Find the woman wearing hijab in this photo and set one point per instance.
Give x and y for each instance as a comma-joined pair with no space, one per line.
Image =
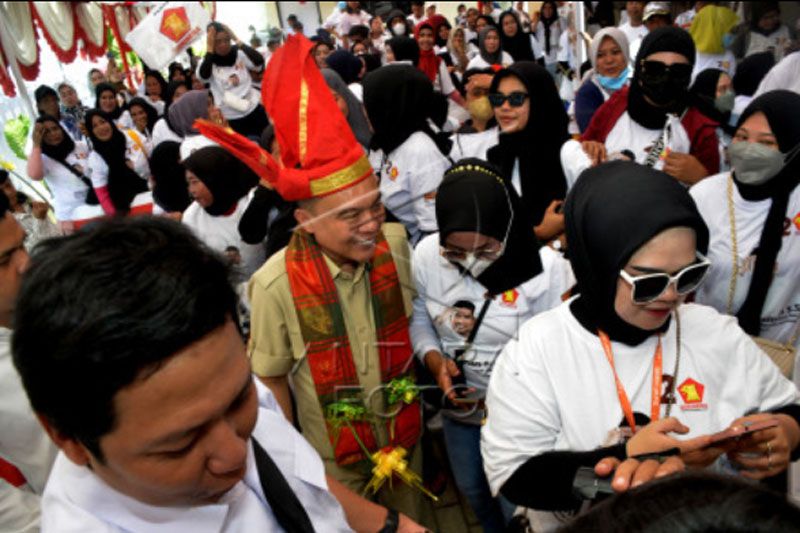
533,126
397,24
155,90
520,46
748,212
162,131
477,280
548,31
349,67
182,114
226,67
712,94
220,185
609,73
457,50
491,54
63,163
402,50
350,106
119,168
108,102
627,355
408,156
170,195
432,65
481,22
144,117
749,73
176,72
766,32
653,121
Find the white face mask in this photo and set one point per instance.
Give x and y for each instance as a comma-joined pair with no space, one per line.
399,29
476,265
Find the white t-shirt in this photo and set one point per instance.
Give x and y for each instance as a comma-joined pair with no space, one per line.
633,33
158,105
124,122
782,76
474,144
162,132
24,444
409,177
725,61
481,63
69,192
775,42
440,285
443,83
223,231
781,311
232,87
348,20
555,37
133,153
627,134
552,388
78,500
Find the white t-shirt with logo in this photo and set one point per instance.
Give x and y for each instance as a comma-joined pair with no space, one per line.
781,311
133,153
222,231
435,324
409,177
69,192
552,388
232,87
627,134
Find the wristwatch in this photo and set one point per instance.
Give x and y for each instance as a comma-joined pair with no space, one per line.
392,521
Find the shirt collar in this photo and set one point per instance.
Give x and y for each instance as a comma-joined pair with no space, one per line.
337,272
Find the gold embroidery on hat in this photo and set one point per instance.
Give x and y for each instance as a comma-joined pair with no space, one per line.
341,178
303,127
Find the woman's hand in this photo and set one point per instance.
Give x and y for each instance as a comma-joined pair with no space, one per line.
686,168
653,438
211,34
443,370
767,452
631,473
38,135
596,151
552,224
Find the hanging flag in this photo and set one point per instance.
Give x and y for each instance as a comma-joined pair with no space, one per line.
167,31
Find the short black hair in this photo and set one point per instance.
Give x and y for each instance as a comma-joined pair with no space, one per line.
464,304
291,18
4,205
105,306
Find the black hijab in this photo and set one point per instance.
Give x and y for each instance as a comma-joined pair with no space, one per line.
703,94
123,183
537,146
225,176
60,151
490,22
150,111
169,177
758,10
750,71
404,48
346,65
666,39
782,109
518,46
356,117
399,100
229,59
160,79
473,197
547,22
611,212
99,90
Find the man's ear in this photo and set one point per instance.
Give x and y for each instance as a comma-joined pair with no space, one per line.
305,219
74,450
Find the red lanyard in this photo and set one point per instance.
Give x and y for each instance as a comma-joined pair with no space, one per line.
655,399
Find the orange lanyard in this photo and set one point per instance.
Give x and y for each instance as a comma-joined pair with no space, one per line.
655,399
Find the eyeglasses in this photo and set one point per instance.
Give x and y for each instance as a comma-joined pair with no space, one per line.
649,287
658,72
461,255
515,99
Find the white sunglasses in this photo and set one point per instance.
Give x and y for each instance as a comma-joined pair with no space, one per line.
649,287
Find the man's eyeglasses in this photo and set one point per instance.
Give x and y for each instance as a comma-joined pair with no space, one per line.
515,99
649,287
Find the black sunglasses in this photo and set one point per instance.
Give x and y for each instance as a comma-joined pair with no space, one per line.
515,99
657,71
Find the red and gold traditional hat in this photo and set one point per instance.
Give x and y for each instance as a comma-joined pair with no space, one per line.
319,154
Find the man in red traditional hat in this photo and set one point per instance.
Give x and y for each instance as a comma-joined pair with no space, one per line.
330,311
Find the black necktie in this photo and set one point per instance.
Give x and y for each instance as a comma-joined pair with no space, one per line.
288,510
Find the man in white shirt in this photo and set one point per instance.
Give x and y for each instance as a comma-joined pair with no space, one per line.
26,453
634,28
141,378
417,13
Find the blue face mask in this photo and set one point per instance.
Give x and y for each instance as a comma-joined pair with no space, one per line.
612,84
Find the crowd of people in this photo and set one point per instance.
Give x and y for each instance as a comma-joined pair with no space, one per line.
407,226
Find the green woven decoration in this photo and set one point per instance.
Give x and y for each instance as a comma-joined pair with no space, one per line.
16,132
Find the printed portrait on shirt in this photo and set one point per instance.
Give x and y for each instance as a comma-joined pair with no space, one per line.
463,317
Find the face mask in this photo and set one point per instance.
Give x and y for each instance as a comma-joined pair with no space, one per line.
474,265
724,103
399,29
612,84
727,40
480,108
754,163
665,89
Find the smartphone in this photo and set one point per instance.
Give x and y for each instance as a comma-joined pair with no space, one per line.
727,435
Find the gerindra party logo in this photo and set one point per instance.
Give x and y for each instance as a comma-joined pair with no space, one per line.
175,23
